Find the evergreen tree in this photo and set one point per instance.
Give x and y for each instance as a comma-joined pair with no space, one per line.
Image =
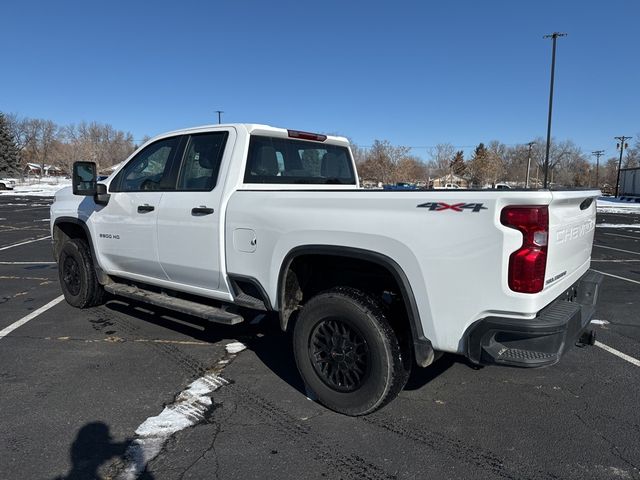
9,154
458,166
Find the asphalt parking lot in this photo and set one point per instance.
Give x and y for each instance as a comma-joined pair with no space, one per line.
75,385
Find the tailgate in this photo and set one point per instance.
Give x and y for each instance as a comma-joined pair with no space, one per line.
572,221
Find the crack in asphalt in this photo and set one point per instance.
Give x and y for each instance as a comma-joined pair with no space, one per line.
614,448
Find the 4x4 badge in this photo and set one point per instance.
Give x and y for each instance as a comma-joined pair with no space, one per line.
456,207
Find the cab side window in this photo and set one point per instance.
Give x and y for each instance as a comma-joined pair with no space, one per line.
150,169
201,162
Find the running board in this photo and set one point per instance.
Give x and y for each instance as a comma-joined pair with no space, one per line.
213,314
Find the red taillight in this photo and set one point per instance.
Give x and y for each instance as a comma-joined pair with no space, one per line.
307,135
527,265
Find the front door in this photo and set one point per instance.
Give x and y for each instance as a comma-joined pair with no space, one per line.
126,228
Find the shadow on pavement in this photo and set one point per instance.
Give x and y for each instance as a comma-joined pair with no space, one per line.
265,339
92,447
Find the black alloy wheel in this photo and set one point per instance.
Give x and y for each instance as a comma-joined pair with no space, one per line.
339,354
347,353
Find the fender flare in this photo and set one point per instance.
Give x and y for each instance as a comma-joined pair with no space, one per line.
423,350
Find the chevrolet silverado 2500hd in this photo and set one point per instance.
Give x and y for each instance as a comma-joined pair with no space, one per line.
220,221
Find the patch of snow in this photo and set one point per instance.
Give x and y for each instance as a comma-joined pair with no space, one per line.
623,211
599,322
37,189
188,409
615,205
618,225
235,347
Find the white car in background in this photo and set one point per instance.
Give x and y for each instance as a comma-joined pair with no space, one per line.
7,183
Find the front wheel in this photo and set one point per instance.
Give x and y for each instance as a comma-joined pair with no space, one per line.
347,353
78,276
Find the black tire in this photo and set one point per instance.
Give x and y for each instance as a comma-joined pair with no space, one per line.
78,276
347,353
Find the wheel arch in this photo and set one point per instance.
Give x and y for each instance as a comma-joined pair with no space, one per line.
67,228
288,293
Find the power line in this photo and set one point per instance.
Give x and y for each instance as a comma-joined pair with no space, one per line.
598,154
554,36
622,145
530,145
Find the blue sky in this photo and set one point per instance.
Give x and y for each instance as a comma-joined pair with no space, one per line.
415,73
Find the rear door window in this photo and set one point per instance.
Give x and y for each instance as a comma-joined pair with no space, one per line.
288,161
201,162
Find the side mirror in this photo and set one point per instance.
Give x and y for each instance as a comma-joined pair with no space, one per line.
84,179
101,197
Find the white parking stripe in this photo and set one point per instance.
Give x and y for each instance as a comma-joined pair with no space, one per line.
623,236
24,243
616,276
618,353
6,331
616,249
27,263
613,261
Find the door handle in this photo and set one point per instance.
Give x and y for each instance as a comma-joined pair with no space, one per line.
201,211
145,208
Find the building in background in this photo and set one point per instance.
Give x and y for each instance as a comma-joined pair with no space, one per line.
630,182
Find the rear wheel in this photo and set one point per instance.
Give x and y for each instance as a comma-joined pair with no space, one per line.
347,353
78,276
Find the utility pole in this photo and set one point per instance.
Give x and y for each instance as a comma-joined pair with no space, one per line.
622,145
219,112
530,145
554,36
598,154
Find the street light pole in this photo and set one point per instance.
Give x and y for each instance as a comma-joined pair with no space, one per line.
530,144
598,154
622,139
219,112
554,36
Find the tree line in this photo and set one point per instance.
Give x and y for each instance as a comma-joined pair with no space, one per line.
44,143
492,163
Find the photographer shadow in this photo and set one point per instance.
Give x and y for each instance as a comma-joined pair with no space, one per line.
92,448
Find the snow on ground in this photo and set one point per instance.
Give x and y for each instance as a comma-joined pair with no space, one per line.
618,225
46,188
615,205
189,408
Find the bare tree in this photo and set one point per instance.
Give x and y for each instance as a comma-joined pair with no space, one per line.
442,156
382,161
40,137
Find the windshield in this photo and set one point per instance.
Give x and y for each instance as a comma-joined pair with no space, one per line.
288,161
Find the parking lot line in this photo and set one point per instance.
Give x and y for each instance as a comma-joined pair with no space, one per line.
24,243
6,331
618,353
600,260
617,276
616,249
31,263
623,236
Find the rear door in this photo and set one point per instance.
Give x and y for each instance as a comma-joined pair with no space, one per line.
189,218
572,221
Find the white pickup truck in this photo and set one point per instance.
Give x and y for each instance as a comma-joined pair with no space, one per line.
222,221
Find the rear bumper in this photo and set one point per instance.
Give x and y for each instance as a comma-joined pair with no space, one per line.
542,340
